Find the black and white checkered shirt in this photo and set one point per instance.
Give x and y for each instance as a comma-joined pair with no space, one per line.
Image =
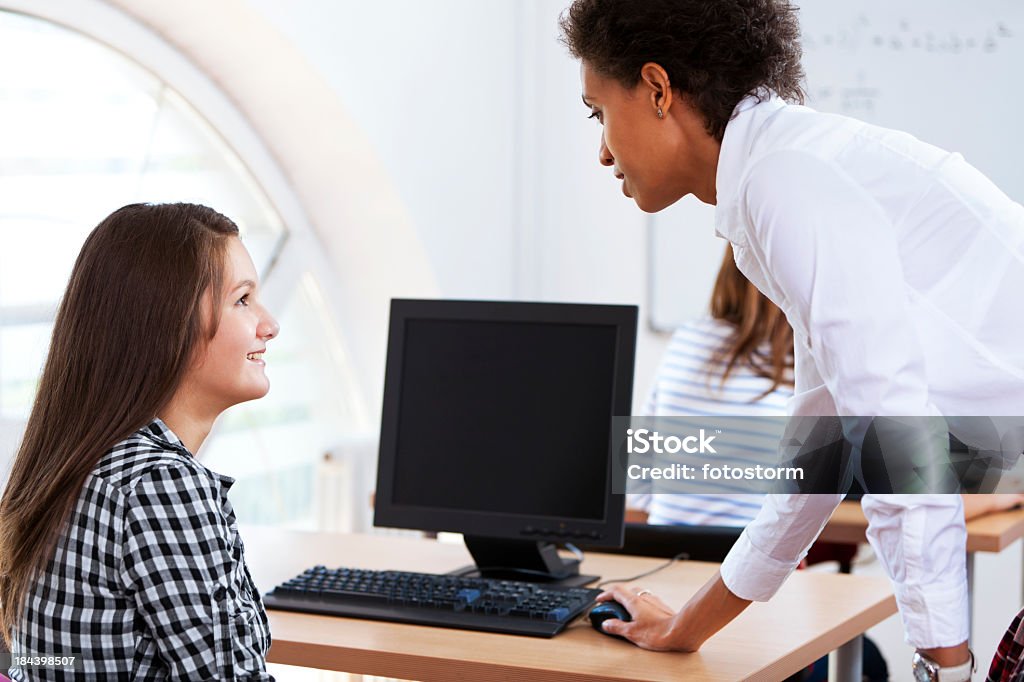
148,581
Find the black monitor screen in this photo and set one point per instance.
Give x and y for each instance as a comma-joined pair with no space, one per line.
497,424
505,417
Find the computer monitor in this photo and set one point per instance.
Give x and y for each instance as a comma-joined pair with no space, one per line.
497,424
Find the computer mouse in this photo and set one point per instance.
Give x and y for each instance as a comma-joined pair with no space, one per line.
605,610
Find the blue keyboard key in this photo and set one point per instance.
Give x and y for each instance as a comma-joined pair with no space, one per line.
468,595
557,615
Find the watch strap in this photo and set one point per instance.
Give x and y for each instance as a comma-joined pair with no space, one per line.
957,673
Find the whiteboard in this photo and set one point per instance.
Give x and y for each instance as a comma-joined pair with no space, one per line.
947,71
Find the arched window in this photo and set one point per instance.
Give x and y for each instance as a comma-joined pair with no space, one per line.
86,128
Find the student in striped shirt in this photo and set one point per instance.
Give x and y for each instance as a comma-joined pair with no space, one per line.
737,362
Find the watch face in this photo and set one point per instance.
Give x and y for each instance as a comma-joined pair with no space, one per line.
924,670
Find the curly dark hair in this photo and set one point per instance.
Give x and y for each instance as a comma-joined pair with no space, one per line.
715,51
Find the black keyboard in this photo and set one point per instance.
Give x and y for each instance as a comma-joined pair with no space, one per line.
507,606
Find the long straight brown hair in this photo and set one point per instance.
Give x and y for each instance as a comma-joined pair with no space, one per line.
758,324
126,330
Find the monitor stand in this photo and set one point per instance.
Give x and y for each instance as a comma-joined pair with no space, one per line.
501,559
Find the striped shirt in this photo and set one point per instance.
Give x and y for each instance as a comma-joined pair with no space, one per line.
688,383
148,581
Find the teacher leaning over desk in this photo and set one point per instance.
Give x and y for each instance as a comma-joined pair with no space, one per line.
899,266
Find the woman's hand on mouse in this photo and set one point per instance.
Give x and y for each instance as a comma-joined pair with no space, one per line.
656,627
652,618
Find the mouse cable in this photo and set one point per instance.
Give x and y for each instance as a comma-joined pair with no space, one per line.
677,557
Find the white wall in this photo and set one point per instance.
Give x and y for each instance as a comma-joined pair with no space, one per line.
436,96
474,109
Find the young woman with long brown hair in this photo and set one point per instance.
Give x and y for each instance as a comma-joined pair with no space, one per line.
116,544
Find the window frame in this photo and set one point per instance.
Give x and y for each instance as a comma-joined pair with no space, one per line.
297,252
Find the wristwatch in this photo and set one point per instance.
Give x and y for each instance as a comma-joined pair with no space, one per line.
927,670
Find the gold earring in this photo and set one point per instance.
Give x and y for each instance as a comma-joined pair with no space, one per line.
661,114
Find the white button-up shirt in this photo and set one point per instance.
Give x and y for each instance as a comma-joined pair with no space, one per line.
900,268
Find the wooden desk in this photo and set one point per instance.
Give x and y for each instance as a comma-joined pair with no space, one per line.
990,533
811,615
